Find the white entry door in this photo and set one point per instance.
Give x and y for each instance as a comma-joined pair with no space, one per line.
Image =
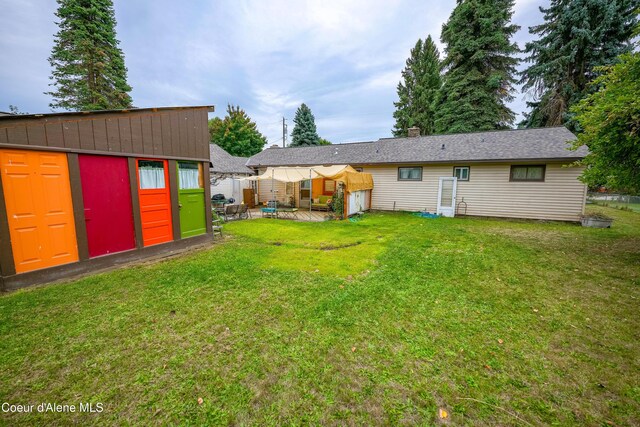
447,196
305,194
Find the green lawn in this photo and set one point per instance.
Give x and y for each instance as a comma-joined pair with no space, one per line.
383,321
619,205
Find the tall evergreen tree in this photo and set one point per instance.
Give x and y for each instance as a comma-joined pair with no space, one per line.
480,67
304,132
236,133
576,37
417,90
88,66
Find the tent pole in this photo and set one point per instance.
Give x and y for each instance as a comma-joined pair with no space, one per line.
310,193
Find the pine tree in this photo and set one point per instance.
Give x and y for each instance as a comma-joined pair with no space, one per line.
417,90
480,67
88,66
236,133
304,132
576,37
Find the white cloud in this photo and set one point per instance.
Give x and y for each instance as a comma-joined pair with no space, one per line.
341,58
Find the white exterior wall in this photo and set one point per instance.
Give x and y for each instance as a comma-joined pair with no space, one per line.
231,188
358,201
487,193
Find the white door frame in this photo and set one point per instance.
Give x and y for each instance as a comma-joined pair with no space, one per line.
301,199
447,210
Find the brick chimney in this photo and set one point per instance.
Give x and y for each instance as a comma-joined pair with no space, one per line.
413,132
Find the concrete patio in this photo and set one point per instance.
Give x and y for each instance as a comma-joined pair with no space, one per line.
299,215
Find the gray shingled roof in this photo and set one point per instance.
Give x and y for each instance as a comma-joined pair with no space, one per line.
516,144
223,162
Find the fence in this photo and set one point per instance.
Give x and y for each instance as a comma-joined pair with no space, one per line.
619,201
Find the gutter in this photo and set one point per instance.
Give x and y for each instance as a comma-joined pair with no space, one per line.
438,162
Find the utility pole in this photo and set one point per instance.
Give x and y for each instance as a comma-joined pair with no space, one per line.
284,133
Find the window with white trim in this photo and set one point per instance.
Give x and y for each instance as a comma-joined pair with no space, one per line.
461,172
151,174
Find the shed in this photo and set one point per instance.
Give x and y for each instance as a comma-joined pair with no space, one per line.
86,190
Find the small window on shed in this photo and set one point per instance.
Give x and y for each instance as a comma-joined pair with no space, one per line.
189,176
151,174
461,172
528,173
410,174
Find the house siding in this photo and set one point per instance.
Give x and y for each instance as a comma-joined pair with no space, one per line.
487,193
264,191
265,187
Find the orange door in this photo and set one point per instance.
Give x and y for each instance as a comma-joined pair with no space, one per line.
39,208
317,187
155,201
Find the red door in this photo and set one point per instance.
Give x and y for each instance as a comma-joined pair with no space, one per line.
155,201
108,211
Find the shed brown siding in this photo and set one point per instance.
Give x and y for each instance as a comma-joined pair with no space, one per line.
165,133
487,193
170,133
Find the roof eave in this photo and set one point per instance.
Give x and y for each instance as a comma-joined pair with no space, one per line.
210,108
427,162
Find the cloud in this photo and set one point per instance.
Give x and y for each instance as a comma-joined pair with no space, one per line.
343,59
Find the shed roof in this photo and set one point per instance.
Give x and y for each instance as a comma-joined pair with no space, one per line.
210,108
223,162
506,145
168,132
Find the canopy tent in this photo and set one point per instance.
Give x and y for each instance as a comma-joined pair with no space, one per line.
351,178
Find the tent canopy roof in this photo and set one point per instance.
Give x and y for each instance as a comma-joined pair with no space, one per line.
352,179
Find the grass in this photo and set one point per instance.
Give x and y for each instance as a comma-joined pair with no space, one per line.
383,321
619,205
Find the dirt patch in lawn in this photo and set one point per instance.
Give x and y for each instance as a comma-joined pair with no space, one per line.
335,247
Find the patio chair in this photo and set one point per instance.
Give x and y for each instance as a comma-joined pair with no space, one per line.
243,212
230,212
216,227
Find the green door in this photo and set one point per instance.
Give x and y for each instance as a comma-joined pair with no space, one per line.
191,199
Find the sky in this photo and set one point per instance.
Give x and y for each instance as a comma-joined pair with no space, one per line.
343,58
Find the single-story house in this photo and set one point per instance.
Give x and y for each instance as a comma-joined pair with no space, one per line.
226,172
519,173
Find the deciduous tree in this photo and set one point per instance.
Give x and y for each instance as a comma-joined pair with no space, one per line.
236,133
609,120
